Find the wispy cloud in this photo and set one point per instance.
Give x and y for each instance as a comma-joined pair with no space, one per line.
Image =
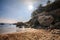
18,9
2,20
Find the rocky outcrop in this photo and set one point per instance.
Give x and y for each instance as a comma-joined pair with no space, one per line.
20,24
46,16
53,6
45,20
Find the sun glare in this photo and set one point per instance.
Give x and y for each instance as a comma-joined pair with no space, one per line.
30,7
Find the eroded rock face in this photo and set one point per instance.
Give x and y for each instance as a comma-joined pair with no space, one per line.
45,20
48,17
57,25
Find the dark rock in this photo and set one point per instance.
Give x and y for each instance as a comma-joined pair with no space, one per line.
46,16
57,25
45,20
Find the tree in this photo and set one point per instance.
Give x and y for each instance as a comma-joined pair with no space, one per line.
48,2
57,0
40,6
38,10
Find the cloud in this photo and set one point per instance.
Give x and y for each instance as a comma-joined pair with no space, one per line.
29,1
2,20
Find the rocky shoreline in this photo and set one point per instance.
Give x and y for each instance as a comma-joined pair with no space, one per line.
44,25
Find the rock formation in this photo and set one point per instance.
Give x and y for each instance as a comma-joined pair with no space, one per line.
45,16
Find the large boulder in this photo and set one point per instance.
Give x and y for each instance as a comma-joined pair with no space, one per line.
45,20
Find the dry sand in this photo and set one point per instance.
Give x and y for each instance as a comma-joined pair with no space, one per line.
32,34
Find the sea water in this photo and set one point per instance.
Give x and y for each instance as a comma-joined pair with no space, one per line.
7,28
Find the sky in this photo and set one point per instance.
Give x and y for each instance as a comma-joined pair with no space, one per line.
18,10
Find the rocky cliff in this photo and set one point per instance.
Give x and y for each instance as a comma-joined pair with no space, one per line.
46,16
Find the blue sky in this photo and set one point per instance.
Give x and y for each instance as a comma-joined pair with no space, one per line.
19,10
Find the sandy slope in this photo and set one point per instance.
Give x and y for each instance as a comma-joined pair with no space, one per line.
31,35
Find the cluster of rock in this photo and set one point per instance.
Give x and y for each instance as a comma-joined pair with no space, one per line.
46,17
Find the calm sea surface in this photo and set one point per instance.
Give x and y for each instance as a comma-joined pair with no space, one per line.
7,28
